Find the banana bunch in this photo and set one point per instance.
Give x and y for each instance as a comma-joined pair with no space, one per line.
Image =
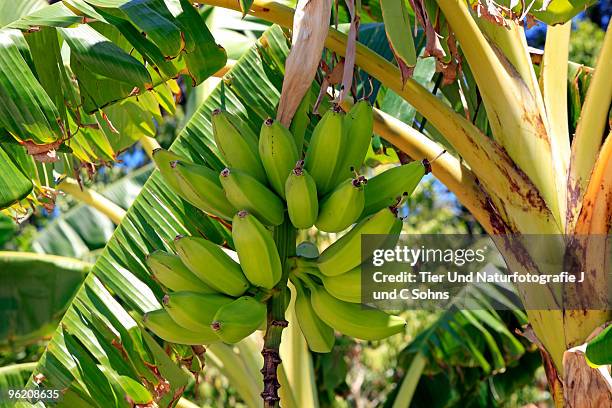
279,176
325,304
209,297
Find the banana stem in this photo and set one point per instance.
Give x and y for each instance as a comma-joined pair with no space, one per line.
285,237
92,198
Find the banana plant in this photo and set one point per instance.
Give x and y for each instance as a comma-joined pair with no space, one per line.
514,166
559,184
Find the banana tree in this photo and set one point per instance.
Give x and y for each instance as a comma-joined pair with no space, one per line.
515,166
521,171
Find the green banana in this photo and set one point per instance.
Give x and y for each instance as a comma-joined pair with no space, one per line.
201,187
238,319
238,144
212,265
194,311
343,206
353,319
278,153
324,155
346,287
387,188
246,193
319,336
256,250
160,323
163,160
301,195
300,121
345,254
358,125
170,271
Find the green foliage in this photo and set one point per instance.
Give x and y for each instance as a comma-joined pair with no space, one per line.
152,222
585,43
35,291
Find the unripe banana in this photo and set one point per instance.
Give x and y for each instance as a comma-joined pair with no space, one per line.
212,265
300,121
163,160
346,287
238,144
386,189
160,323
201,187
342,207
194,311
358,125
238,319
256,250
345,254
324,155
319,336
278,153
353,319
301,195
170,271
246,193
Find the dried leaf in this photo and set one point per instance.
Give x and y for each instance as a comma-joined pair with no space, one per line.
45,153
399,35
310,27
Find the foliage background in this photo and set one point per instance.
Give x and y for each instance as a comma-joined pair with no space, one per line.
353,375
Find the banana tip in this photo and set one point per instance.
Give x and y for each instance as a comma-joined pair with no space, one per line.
216,111
166,300
179,237
243,213
269,122
225,172
216,325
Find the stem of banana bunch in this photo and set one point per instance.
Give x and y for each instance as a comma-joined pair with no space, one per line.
284,236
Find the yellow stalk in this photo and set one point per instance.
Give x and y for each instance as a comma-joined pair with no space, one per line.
297,360
487,160
515,113
92,198
596,212
590,131
554,90
229,363
512,42
454,175
149,144
593,224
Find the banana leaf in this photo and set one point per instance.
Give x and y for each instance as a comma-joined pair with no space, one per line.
102,326
35,290
79,82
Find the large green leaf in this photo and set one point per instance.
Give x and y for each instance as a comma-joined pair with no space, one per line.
11,10
80,77
35,290
108,308
14,185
